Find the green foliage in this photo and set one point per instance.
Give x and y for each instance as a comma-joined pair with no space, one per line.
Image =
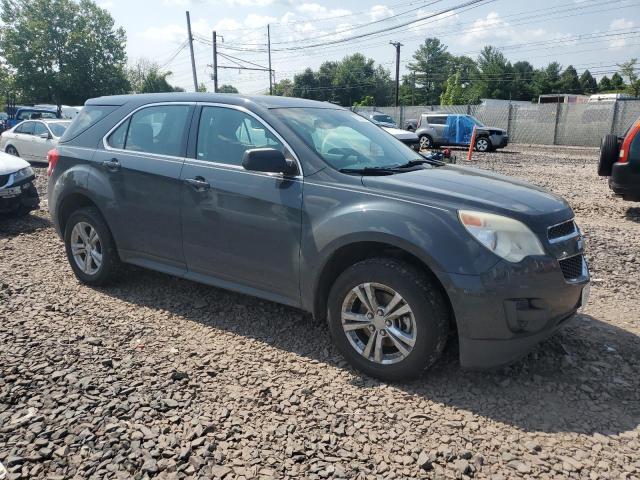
617,82
367,101
430,68
453,94
62,51
283,88
588,84
227,89
345,82
605,84
629,70
495,71
569,82
146,76
202,87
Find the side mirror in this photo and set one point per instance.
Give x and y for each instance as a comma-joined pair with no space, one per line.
268,160
45,135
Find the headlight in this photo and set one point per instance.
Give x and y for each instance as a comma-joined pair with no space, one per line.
504,236
22,174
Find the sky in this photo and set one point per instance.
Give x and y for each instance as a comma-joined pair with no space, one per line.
589,34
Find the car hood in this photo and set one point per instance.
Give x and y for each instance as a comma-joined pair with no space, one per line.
10,164
457,187
401,134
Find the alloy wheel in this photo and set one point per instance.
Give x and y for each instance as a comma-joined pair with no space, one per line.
86,248
378,323
425,142
482,145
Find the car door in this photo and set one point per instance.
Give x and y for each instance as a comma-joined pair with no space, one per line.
141,161
40,144
438,123
23,136
238,226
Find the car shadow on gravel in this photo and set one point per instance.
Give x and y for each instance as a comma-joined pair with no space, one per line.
584,379
633,214
11,225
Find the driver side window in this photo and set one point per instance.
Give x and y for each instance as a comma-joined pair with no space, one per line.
224,134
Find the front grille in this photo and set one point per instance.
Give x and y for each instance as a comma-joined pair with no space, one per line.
572,267
562,230
3,180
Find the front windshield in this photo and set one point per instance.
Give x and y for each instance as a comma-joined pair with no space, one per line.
476,121
57,129
344,139
383,118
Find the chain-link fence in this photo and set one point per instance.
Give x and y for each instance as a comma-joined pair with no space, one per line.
541,124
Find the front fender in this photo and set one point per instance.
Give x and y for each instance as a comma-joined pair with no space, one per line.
433,235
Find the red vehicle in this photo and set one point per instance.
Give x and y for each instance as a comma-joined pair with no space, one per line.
620,161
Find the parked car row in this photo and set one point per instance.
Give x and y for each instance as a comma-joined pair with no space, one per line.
435,129
313,206
32,139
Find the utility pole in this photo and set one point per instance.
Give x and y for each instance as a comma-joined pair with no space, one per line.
193,58
215,62
397,45
269,49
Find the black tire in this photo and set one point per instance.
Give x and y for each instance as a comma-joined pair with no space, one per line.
111,264
11,150
483,144
426,142
423,296
609,152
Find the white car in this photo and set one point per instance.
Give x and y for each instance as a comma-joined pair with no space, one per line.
18,192
32,139
410,139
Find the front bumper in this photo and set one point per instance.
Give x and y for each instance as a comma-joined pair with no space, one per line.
22,195
509,309
625,181
499,141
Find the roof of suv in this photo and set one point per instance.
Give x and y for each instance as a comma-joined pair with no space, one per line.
265,101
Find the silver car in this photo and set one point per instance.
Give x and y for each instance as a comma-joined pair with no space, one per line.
32,139
436,129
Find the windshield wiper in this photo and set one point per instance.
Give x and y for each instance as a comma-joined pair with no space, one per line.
370,170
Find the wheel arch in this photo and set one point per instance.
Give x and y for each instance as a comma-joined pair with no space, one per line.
71,203
351,253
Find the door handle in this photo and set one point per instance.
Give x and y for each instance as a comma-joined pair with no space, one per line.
198,183
112,165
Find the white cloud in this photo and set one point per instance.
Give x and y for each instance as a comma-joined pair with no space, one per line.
316,11
619,24
431,23
379,12
494,27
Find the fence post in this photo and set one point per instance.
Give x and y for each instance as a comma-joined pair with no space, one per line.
509,120
468,109
614,117
555,126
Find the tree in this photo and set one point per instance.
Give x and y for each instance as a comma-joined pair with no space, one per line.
588,83
628,69
430,68
605,84
63,51
283,88
305,84
617,82
367,101
522,81
453,94
227,89
495,73
202,87
569,82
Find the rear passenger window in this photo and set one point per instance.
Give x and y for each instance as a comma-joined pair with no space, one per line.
26,128
225,134
119,136
160,130
437,120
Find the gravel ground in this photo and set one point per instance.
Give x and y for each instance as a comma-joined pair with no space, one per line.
161,377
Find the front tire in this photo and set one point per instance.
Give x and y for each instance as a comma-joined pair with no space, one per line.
387,318
90,247
11,150
483,144
426,142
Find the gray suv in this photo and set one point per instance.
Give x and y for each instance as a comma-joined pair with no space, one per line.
310,205
437,129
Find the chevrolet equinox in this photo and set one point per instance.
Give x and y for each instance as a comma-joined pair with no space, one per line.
310,205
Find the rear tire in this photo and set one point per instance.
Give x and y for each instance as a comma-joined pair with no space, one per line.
422,330
609,152
90,247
